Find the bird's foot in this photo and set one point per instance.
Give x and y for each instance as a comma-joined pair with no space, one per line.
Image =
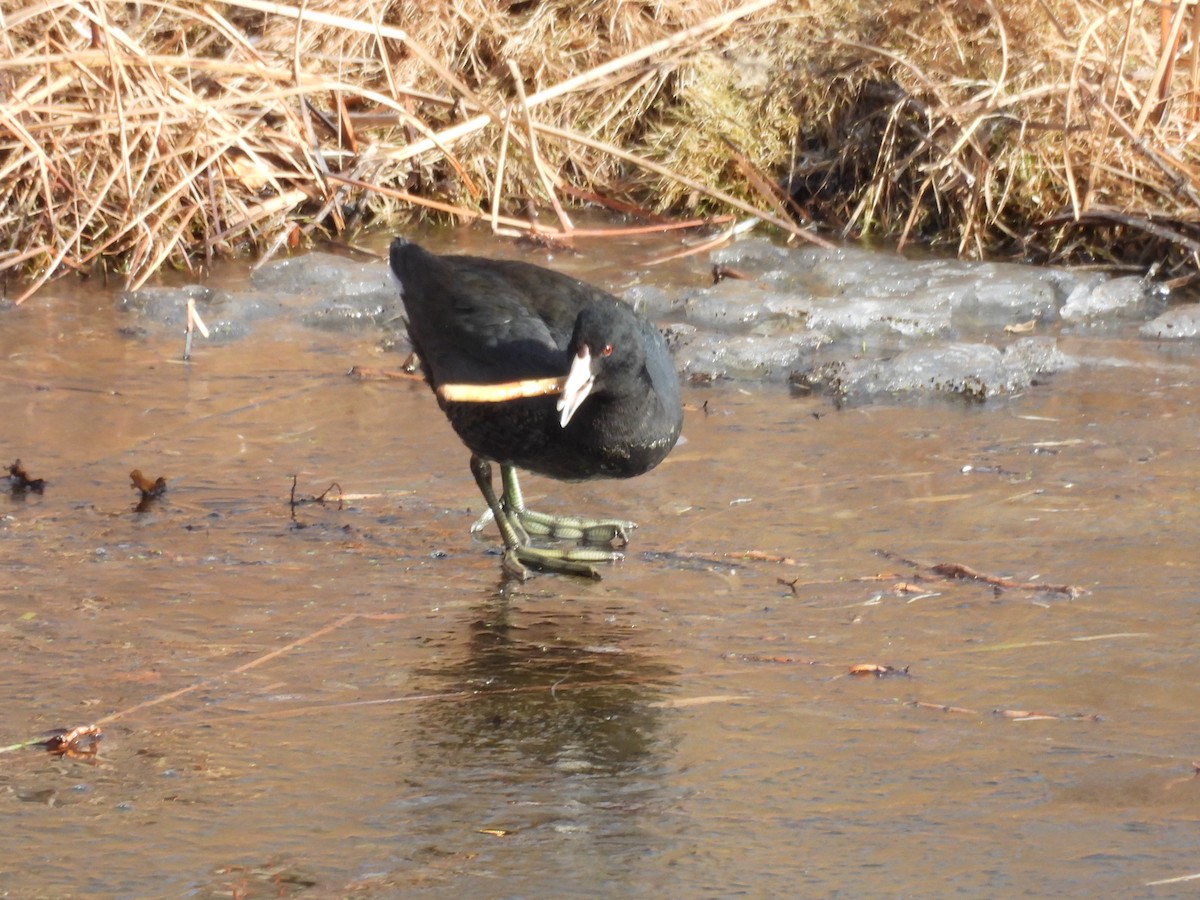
566,528
575,528
483,521
564,561
516,523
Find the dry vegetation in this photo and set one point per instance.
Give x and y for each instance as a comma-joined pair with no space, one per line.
137,135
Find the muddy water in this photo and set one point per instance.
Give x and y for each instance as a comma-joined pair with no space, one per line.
352,701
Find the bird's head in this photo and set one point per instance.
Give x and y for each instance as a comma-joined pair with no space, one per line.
606,355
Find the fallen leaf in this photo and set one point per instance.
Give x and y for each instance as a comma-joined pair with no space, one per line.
878,671
1021,327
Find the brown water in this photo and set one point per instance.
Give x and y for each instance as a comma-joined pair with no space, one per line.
353,703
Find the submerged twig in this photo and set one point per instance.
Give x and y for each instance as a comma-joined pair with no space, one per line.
294,501
958,571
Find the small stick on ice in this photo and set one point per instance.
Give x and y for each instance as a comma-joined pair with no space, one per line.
193,321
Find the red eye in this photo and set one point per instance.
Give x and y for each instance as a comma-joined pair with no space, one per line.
607,350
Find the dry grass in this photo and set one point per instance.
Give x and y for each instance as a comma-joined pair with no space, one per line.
1052,129
140,135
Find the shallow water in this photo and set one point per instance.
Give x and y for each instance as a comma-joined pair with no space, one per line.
352,701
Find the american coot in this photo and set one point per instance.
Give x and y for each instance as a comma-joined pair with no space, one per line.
536,370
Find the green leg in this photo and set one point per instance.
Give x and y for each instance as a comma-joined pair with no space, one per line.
518,553
601,531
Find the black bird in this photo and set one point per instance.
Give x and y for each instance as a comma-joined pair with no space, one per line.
497,339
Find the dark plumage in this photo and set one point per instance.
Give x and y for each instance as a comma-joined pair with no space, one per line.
475,321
